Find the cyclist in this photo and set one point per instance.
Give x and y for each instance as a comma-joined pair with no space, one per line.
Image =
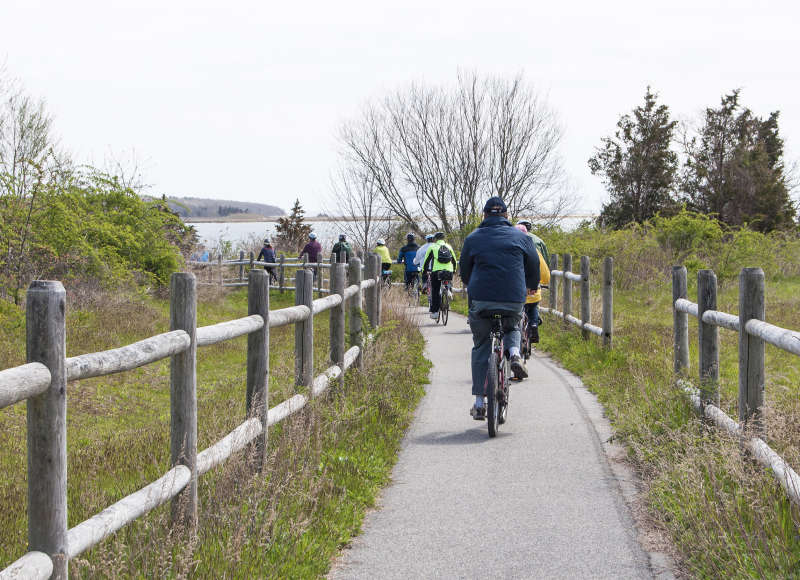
342,250
313,248
420,258
406,256
386,258
534,297
537,241
498,264
442,258
268,254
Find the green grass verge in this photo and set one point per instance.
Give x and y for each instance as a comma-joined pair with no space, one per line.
325,467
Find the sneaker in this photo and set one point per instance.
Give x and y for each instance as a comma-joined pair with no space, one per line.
534,334
518,368
435,315
478,413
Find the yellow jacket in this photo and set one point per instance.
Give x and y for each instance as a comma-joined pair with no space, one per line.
544,276
383,252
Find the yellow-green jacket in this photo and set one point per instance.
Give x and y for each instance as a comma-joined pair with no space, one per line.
432,255
383,252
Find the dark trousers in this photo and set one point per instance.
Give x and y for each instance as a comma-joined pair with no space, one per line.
411,278
436,298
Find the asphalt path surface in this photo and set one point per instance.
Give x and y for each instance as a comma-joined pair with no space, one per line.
538,501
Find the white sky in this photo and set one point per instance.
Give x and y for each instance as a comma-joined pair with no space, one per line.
242,100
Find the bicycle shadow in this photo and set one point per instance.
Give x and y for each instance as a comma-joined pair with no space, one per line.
476,435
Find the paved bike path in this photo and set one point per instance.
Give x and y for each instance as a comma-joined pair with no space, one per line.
537,501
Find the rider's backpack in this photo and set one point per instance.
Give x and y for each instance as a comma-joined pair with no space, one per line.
444,255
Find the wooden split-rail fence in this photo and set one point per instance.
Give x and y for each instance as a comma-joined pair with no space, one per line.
754,334
42,382
233,272
566,277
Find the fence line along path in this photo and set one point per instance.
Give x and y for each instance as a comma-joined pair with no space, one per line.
43,383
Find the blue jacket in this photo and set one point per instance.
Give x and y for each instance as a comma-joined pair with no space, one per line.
267,253
407,254
498,262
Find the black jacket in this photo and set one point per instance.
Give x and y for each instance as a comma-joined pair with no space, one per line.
498,262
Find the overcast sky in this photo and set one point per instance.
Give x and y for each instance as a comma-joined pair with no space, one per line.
242,100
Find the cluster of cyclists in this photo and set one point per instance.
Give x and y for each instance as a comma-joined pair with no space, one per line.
502,266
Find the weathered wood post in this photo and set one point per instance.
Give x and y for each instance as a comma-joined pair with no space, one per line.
338,275
377,296
318,273
554,283
252,259
372,294
281,273
47,424
304,331
354,278
221,273
708,337
183,395
258,359
608,301
567,306
751,348
680,321
241,265
586,302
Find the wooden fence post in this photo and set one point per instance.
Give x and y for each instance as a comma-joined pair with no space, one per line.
708,337
258,359
318,274
377,298
567,306
338,275
586,302
241,266
304,331
608,301
281,273
751,348
252,259
183,396
372,295
47,424
221,273
680,322
554,283
354,277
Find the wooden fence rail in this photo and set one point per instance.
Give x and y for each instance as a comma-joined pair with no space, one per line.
565,278
43,383
754,334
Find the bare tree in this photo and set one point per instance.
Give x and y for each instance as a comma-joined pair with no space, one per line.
435,153
364,217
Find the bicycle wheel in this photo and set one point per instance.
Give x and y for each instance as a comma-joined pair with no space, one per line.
492,402
525,341
445,307
505,388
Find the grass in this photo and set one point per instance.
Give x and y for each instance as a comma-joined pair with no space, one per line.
325,465
725,515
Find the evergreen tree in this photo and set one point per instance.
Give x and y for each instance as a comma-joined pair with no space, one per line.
735,170
292,232
637,165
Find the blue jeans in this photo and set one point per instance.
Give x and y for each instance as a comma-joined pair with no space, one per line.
481,338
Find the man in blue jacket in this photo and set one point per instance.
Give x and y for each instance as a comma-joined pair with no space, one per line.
406,256
498,264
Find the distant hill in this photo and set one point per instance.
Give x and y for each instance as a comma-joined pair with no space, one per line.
197,207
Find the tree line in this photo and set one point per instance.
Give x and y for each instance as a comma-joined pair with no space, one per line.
729,165
74,222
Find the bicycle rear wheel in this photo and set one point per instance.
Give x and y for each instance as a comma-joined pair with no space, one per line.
445,306
505,388
525,342
492,402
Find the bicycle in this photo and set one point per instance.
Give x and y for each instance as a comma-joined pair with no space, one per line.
414,289
445,292
386,278
525,339
497,378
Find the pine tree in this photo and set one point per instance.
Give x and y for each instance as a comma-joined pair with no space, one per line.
735,170
292,232
637,165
